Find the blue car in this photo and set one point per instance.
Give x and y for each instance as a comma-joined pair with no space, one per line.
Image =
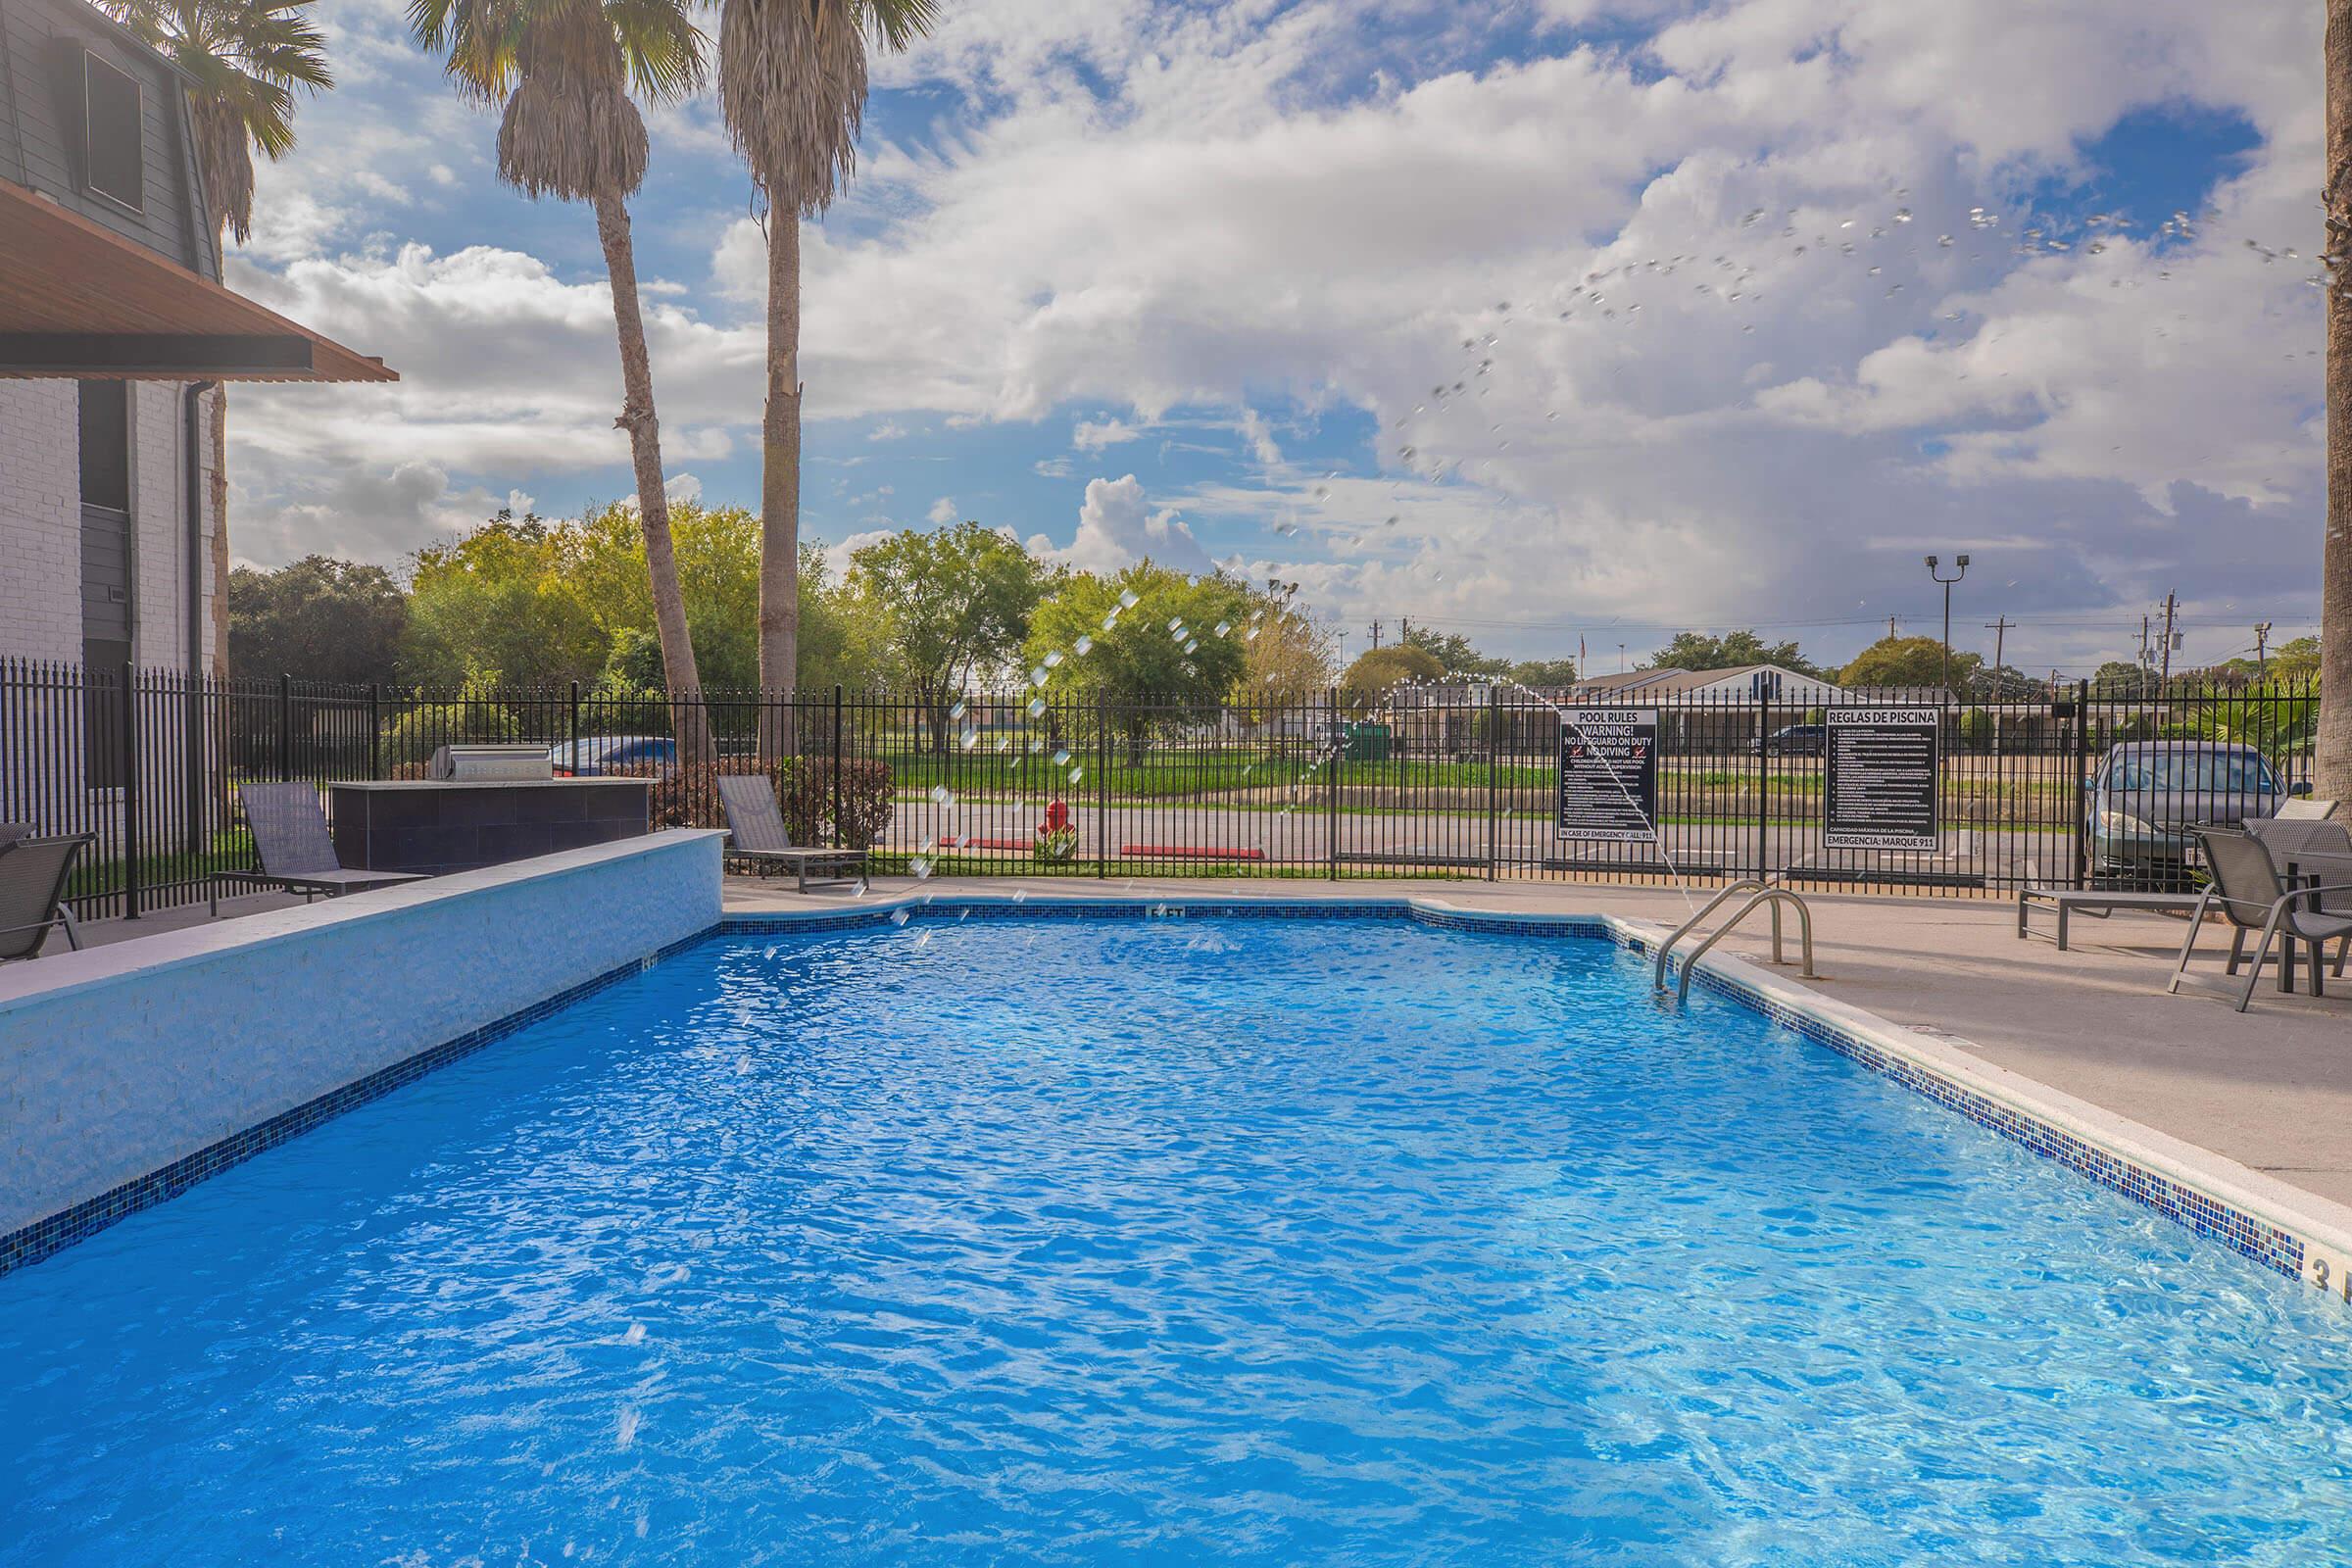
631,755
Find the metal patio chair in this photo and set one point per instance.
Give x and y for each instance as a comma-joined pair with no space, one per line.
289,834
2252,896
2303,809
33,872
756,832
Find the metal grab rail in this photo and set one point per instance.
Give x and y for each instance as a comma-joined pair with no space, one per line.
1759,893
1747,884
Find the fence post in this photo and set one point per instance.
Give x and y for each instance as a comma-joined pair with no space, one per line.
1101,785
1494,777
131,794
191,728
1331,791
285,727
841,838
1763,786
375,729
2078,799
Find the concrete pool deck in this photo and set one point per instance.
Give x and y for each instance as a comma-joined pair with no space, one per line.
2269,1089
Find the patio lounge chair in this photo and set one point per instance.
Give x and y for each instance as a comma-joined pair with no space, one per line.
289,834
756,832
32,888
2303,809
2252,896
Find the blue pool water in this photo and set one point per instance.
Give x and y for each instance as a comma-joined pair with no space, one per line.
1248,1241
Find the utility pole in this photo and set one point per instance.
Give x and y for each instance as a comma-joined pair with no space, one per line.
2000,631
2171,603
2262,643
1621,658
2147,650
1891,628
1376,631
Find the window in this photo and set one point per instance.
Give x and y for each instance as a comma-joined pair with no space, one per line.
106,445
112,134
106,637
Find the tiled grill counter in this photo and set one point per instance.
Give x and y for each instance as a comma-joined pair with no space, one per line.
436,826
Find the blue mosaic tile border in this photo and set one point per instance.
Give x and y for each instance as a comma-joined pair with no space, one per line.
45,1237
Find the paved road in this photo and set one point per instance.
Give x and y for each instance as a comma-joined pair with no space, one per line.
1302,836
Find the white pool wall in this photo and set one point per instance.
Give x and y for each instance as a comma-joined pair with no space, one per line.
117,1060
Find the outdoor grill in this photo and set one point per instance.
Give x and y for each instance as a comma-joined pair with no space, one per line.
491,764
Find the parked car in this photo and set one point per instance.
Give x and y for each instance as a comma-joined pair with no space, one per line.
592,754
2144,796
1792,740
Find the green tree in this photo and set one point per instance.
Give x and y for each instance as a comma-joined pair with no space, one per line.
1377,672
244,61
317,619
501,600
2296,662
2120,678
564,69
792,91
1148,636
952,606
1453,653
1544,673
1286,652
1693,650
1909,661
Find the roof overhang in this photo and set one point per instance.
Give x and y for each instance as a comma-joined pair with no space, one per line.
78,300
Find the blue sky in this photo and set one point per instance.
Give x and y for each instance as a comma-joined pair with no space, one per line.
1750,305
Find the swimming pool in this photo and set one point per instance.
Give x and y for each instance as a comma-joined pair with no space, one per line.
1065,1241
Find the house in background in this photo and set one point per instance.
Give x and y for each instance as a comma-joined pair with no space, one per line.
115,334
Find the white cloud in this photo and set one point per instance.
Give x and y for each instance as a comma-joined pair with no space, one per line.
1117,527
943,510
1089,435
681,488
1144,208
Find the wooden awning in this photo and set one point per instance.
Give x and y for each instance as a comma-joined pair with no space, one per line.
78,300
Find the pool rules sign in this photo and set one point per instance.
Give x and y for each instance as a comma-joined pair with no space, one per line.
1879,778
1609,775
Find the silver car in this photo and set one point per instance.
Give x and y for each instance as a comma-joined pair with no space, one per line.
2146,794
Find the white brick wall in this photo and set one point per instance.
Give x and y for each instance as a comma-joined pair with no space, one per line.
40,523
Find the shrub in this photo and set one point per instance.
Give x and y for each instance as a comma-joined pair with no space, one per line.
868,802
687,796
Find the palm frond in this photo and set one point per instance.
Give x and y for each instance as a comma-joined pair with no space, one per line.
792,91
246,60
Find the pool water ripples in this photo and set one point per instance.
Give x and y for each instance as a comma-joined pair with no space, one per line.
1064,1241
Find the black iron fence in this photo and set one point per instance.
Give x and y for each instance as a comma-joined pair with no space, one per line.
1465,783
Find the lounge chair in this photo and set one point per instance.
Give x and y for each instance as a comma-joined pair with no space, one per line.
756,833
289,834
2251,895
32,888
2303,809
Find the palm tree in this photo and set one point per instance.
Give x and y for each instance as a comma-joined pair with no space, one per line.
569,129
792,90
2332,749
245,58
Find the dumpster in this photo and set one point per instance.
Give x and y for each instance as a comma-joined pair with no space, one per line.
1367,743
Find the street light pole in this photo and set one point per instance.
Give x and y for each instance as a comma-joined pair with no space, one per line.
1933,563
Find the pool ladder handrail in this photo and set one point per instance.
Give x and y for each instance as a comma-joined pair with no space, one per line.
1769,894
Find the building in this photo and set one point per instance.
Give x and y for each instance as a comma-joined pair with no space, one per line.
114,331
115,335
1743,683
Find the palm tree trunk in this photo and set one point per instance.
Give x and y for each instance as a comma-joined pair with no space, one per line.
219,490
780,474
2331,764
637,417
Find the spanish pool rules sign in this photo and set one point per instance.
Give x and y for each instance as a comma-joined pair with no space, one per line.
1879,779
1609,775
